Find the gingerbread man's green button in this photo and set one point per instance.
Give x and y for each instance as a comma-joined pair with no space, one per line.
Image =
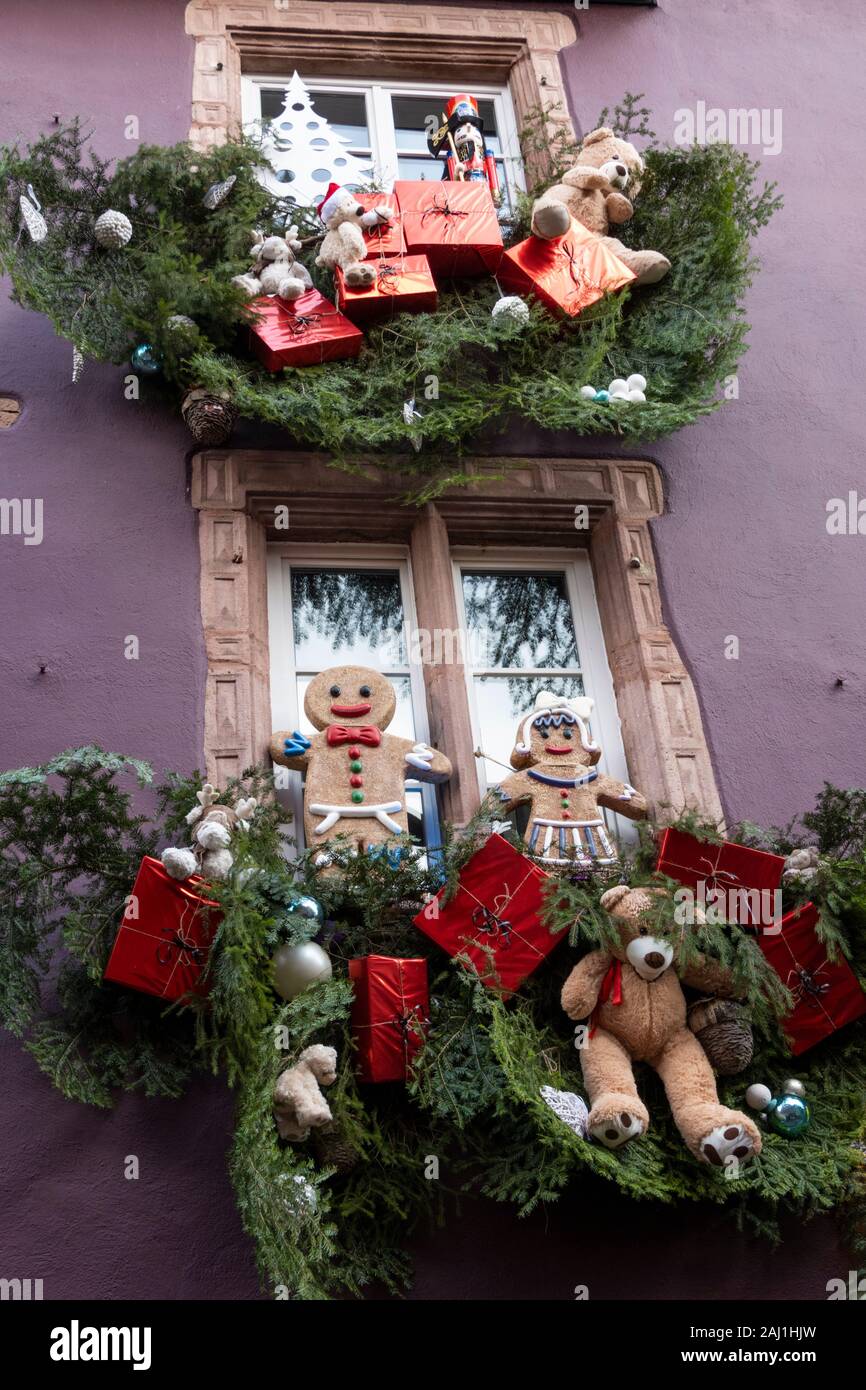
357,796
356,765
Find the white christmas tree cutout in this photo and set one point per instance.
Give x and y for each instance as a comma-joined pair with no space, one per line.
304,154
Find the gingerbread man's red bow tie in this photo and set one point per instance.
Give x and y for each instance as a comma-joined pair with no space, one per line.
363,733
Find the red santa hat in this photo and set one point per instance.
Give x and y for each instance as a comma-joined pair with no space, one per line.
331,190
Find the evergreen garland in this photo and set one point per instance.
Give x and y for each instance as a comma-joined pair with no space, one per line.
70,842
470,376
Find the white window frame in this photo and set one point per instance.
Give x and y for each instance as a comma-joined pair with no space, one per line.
380,120
285,710
589,637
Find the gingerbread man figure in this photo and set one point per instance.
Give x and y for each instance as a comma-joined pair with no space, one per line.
559,779
355,773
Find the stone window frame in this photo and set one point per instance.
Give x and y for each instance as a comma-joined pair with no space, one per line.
515,503
516,47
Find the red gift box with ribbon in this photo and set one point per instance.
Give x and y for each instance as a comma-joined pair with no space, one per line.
386,238
453,224
305,333
827,994
390,1010
165,936
750,878
567,273
494,917
403,285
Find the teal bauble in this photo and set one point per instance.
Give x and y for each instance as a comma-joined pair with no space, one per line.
788,1115
602,395
145,360
306,906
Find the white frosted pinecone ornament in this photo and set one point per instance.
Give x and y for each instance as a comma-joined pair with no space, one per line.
112,229
510,309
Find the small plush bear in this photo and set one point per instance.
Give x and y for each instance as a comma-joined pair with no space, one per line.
355,773
299,1105
632,995
276,269
564,790
344,243
594,192
214,826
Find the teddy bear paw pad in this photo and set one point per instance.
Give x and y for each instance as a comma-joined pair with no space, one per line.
616,1130
727,1142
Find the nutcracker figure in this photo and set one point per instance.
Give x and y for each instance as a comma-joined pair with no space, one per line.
460,142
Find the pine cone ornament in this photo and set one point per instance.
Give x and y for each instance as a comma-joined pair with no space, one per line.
722,1028
210,417
332,1148
33,219
510,309
218,192
112,230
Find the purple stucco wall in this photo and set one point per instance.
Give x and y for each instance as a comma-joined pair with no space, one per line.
742,550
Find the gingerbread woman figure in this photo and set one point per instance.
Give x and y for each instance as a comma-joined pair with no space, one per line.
355,773
556,757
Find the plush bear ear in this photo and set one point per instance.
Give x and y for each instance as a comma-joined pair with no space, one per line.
613,896
604,132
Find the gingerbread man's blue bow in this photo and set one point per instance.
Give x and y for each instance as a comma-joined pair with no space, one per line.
295,745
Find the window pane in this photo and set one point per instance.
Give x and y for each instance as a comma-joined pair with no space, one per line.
345,112
519,620
411,117
408,168
501,702
352,616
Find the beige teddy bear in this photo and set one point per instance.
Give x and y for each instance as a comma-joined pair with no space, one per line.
637,1010
594,192
276,270
214,826
299,1105
344,243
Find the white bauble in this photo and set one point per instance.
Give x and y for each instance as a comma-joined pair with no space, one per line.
618,385
112,229
621,397
510,309
588,393
793,1087
758,1096
295,968
636,382
636,395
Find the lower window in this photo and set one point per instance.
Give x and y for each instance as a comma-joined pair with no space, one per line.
527,625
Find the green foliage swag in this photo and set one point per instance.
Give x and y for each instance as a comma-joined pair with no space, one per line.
70,843
470,376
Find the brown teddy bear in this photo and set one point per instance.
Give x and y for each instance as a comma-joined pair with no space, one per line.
355,773
557,777
638,1014
594,192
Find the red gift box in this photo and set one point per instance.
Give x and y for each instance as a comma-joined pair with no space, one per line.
497,907
453,224
567,273
827,994
390,1009
163,942
305,333
403,285
385,239
750,878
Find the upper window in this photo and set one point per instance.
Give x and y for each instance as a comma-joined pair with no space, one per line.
384,126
